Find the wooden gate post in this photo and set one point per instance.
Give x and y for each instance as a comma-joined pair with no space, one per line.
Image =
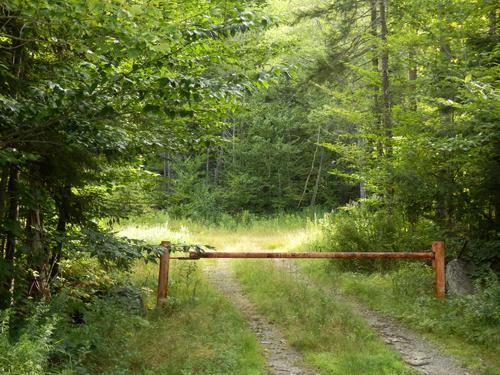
163,273
439,268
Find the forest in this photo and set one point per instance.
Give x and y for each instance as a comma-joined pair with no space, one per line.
247,125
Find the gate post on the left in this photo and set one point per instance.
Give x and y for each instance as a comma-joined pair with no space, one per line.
163,273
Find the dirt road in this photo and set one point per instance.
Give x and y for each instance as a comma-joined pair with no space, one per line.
282,359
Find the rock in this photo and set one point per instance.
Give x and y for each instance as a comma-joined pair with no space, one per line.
418,362
131,299
458,281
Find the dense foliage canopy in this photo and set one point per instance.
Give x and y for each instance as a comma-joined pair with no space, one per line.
88,89
385,113
391,104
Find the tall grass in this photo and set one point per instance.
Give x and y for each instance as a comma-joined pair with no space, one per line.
196,332
243,221
242,233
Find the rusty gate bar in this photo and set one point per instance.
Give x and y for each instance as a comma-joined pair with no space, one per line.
313,255
437,255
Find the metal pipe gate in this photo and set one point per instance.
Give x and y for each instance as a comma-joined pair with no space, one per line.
436,255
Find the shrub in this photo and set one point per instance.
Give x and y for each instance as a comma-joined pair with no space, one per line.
98,339
413,280
29,353
478,315
372,227
475,318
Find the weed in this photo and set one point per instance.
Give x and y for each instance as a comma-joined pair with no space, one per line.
29,353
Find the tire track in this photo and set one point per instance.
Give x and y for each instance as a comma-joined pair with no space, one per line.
415,351
281,359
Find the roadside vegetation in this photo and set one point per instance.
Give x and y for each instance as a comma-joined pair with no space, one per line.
197,331
467,327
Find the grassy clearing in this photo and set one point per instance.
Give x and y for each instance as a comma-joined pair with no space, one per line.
244,233
333,340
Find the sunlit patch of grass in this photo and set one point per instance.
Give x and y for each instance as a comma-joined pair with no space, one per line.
156,233
254,233
257,237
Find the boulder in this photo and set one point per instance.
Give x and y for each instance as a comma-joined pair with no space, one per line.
458,280
131,299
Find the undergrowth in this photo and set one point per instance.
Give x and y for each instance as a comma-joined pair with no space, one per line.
102,321
243,221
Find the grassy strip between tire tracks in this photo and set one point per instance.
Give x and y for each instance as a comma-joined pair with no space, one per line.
333,340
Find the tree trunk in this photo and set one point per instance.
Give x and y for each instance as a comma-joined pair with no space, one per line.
6,277
311,169
497,215
412,76
318,177
446,91
207,171
13,213
362,167
57,251
164,157
3,188
492,20
362,190
63,202
386,95
218,165
234,144
39,256
375,67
